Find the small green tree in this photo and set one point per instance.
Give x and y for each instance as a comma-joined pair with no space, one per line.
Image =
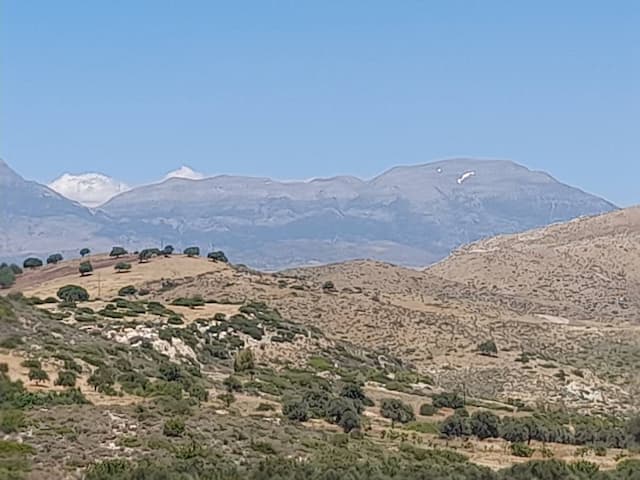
32,262
66,378
11,421
55,258
173,427
145,255
122,267
397,411
7,277
455,426
295,410
349,421
85,268
244,361
488,348
633,428
427,410
15,269
232,384
448,400
117,252
218,256
73,294
192,251
227,398
168,250
127,291
84,252
38,375
485,424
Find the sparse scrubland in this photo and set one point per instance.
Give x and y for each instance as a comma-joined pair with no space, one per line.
154,365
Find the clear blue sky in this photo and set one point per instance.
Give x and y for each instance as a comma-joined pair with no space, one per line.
294,89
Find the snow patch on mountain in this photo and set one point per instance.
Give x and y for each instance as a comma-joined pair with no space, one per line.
185,172
465,176
88,189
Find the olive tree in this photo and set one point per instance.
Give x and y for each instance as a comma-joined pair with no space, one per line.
85,268
55,258
396,411
32,262
192,251
84,252
117,252
72,294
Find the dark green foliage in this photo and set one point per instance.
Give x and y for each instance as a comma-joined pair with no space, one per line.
633,428
38,375
318,401
73,294
127,291
145,255
66,378
85,268
174,427
122,267
354,392
488,348
455,426
521,450
244,361
296,410
117,252
102,380
84,252
192,251
15,269
7,277
485,424
427,410
328,286
217,256
168,250
448,400
11,421
227,398
396,410
191,302
55,258
32,262
232,384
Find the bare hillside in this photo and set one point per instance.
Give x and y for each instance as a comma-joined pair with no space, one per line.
587,269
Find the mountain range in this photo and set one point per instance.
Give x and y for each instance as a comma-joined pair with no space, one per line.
411,215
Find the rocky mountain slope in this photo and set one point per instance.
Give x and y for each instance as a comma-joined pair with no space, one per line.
35,219
408,215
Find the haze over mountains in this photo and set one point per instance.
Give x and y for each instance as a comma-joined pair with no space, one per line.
411,215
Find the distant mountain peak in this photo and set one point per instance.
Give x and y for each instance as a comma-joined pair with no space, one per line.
184,172
88,189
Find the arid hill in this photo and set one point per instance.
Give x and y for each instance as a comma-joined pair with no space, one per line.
586,269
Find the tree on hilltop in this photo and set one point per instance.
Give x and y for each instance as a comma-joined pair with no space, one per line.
85,268
117,252
32,262
84,252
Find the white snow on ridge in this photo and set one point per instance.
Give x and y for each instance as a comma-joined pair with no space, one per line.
465,176
184,172
88,189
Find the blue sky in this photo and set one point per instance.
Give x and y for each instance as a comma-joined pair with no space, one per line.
295,89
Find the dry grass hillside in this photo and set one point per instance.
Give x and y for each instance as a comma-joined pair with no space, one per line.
165,350
587,269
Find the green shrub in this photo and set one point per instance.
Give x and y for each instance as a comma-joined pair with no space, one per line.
173,427
447,400
11,421
396,410
85,268
73,294
455,426
521,450
296,410
428,410
485,424
66,378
